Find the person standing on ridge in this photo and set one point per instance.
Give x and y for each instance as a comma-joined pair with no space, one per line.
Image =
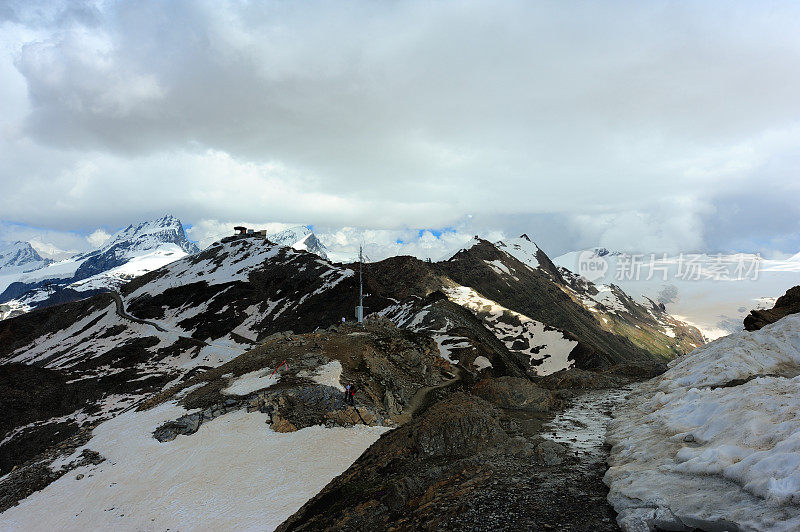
347,394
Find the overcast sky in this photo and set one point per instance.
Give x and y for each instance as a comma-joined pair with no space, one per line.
649,126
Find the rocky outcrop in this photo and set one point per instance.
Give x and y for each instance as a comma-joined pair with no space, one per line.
406,469
579,379
789,303
387,367
515,393
463,464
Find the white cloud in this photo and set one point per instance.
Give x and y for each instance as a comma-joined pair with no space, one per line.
400,115
98,237
207,231
50,251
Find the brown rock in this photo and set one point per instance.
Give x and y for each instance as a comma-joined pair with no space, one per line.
515,393
280,424
789,303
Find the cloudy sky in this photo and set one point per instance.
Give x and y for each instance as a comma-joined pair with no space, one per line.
657,126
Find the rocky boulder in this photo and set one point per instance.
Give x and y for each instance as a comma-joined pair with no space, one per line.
789,303
579,379
440,433
515,393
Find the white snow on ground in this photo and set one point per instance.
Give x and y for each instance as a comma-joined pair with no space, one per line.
547,348
403,315
522,249
13,308
498,267
251,382
608,299
239,258
329,374
140,263
447,344
582,425
481,362
688,449
763,352
235,473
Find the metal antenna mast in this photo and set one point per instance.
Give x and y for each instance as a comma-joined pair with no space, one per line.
360,307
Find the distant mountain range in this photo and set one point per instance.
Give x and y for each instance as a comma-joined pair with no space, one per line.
713,292
27,281
227,315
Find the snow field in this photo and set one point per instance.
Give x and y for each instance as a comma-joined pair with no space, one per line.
522,249
547,349
251,382
329,374
689,449
233,474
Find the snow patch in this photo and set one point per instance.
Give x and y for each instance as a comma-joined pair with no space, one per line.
329,374
481,362
251,382
234,473
697,446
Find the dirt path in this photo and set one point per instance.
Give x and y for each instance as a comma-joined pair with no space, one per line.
122,314
565,496
420,397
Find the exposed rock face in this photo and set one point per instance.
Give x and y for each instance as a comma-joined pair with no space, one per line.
461,465
379,360
441,434
538,293
575,378
406,469
789,303
515,393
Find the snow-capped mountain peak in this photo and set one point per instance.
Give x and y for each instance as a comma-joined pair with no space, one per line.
20,256
522,248
146,235
131,252
300,238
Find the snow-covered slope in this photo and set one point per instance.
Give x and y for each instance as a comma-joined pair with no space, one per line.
711,292
17,258
217,447
135,250
547,348
235,472
714,443
299,238
523,249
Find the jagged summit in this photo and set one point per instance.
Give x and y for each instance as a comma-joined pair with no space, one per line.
523,249
146,235
20,256
300,238
137,249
